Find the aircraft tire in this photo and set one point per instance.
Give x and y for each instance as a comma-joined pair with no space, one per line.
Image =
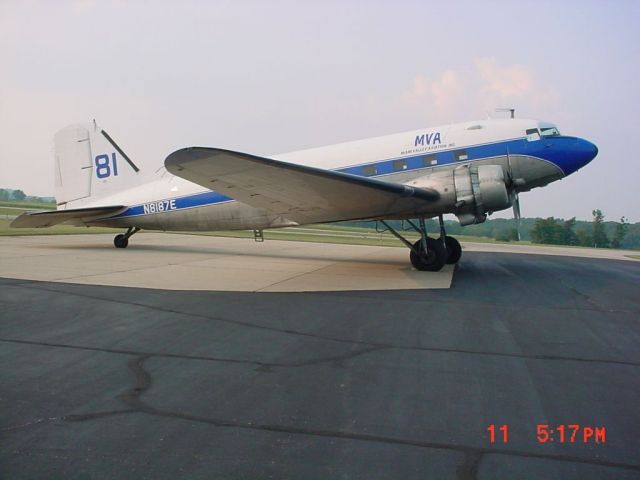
430,261
120,241
454,250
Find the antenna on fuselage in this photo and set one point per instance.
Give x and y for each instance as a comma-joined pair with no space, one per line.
512,111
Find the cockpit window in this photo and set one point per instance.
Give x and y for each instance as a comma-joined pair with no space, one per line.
533,134
549,131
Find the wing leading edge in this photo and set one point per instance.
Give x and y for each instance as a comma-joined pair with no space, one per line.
74,216
299,193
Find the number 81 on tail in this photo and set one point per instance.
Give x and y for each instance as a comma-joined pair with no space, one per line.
106,166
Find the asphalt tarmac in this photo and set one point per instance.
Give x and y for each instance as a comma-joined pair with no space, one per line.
115,382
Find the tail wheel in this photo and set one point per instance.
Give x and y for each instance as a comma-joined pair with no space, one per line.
454,250
430,261
121,241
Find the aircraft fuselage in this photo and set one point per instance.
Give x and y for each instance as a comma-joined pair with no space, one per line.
529,153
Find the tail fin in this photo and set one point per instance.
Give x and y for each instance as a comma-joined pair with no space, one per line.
90,165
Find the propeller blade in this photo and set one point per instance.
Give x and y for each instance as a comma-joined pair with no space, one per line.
516,212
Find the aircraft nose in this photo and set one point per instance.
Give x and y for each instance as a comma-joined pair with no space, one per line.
580,153
584,151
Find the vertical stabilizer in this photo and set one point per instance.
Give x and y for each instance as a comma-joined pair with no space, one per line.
90,165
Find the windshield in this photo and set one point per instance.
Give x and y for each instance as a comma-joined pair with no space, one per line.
549,131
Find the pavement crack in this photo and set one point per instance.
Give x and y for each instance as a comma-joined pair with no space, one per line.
369,347
26,424
82,417
143,383
130,397
468,470
586,298
293,278
335,359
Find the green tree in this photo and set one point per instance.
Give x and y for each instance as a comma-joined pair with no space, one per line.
598,235
19,195
620,233
583,237
507,235
570,237
4,194
548,231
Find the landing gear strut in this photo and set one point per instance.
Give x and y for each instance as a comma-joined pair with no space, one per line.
454,250
122,240
430,254
451,245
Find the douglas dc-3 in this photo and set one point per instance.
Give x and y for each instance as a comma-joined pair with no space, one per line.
469,169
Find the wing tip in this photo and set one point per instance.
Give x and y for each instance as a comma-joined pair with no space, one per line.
173,162
49,218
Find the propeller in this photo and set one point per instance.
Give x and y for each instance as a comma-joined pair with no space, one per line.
516,211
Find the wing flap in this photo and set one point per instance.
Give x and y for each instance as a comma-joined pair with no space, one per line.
299,193
74,216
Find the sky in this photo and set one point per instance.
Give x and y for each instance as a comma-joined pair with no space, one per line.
277,76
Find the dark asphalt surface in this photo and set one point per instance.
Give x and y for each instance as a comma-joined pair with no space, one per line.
106,382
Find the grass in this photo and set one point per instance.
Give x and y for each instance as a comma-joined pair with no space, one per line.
16,208
28,205
311,233
336,234
284,234
55,230
10,211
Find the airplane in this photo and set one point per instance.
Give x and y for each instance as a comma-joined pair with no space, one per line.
468,169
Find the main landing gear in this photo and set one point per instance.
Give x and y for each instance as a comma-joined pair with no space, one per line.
122,240
430,254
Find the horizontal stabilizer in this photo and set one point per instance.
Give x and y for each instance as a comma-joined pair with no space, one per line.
74,216
299,193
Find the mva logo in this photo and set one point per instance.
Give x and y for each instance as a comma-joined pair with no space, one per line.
428,139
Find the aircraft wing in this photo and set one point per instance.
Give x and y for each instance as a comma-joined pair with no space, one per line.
299,193
73,216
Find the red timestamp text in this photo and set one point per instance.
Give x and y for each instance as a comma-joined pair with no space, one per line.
570,433
561,433
502,430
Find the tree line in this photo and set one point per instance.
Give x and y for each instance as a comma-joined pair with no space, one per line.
9,195
552,231
558,232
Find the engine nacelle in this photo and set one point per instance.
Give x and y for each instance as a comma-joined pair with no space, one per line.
479,190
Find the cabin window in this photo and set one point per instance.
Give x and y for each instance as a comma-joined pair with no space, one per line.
533,134
369,170
399,165
461,155
429,160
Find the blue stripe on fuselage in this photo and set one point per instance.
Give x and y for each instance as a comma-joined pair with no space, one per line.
190,201
539,148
